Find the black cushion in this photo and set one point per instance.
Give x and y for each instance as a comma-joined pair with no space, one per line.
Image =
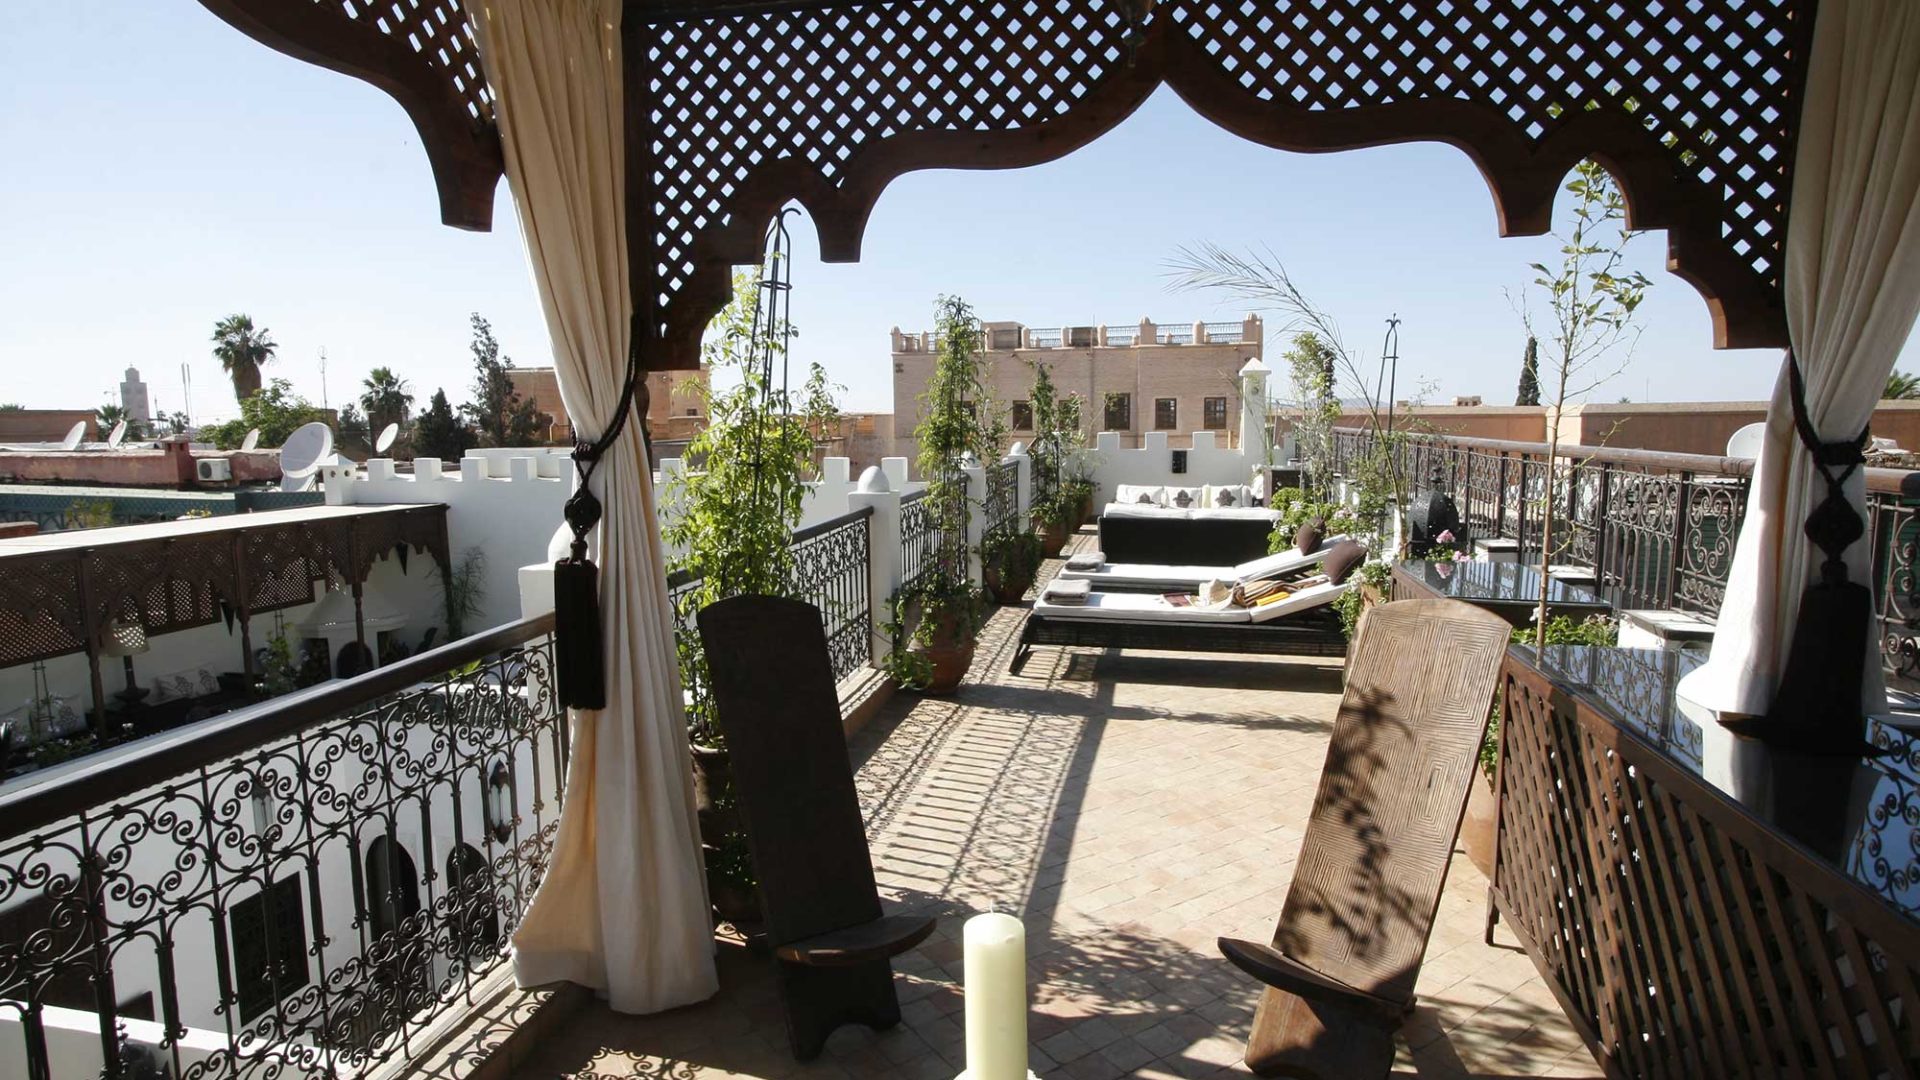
1307,538
1343,560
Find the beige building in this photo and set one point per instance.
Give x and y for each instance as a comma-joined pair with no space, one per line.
1132,379
676,402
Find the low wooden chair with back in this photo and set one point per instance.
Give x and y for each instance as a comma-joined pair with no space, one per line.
1342,965
777,707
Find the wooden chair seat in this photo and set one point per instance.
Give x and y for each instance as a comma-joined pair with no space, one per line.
882,939
1271,966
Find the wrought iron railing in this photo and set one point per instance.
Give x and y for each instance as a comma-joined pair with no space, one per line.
295,888
1003,498
1122,335
1176,335
830,570
831,567
919,539
1656,528
1225,332
1044,338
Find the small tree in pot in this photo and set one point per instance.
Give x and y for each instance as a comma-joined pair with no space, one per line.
1052,508
733,522
937,617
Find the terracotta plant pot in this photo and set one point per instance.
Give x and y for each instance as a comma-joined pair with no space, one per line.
1007,589
1053,538
1477,829
733,901
951,652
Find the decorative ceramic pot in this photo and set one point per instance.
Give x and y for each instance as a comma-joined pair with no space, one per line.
951,651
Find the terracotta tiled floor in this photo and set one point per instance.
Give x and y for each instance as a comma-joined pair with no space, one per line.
1131,807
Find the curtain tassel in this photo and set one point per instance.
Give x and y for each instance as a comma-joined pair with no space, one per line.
579,643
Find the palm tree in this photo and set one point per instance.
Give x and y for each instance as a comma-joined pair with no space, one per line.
241,350
386,399
1902,387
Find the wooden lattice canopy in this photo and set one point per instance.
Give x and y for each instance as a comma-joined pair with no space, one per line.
737,107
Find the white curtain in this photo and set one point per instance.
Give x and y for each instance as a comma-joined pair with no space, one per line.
623,907
1852,291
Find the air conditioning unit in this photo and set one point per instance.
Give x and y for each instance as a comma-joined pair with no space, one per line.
214,470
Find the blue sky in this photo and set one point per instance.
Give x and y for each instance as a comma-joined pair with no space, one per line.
165,170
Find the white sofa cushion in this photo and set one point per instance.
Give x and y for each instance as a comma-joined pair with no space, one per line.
1140,607
1140,495
1228,496
1184,498
1236,513
1146,510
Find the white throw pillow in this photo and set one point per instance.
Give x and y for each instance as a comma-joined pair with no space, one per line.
1140,495
1183,498
1228,496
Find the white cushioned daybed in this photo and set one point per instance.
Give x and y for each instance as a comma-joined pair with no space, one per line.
1302,624
1155,577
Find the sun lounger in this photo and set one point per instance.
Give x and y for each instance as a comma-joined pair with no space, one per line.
1302,624
1152,577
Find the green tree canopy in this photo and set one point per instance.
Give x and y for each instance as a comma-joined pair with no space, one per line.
1529,393
498,414
439,432
386,399
241,349
1902,387
276,410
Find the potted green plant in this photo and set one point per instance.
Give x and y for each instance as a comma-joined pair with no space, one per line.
1010,560
937,618
732,522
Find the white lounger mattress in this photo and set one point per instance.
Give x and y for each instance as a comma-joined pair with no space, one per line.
1146,607
1177,577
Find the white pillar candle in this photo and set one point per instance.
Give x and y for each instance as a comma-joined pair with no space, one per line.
996,996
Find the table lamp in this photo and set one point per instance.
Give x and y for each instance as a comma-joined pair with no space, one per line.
126,639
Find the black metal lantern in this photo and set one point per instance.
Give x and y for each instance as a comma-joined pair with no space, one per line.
497,802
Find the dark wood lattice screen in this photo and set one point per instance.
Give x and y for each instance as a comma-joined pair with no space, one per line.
740,113
736,107
1683,936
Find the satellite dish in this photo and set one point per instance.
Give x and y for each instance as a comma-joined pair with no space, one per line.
1746,442
303,451
252,441
74,435
387,435
118,435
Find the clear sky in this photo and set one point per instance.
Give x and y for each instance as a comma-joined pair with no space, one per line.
162,170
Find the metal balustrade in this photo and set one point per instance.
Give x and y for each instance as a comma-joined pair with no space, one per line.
1657,529
1225,333
1003,498
294,888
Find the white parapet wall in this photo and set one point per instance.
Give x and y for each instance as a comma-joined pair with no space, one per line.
1153,463
503,502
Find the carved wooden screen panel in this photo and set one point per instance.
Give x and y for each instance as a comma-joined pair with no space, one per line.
732,115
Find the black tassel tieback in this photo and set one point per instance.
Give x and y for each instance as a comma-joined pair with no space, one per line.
580,669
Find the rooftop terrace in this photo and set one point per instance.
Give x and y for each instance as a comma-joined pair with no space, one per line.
1131,808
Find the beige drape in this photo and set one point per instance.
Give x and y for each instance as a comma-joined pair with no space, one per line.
623,906
1852,291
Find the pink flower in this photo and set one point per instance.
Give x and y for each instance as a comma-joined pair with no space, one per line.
1445,537
1461,556
1445,570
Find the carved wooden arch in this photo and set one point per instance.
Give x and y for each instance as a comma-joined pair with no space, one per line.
732,115
422,53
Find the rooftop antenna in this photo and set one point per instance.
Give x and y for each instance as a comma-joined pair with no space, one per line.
323,376
74,434
1389,365
117,435
387,435
301,454
186,389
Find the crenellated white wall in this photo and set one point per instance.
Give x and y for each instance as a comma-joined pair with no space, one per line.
1152,464
505,501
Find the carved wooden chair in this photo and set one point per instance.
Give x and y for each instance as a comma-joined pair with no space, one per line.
1341,968
776,705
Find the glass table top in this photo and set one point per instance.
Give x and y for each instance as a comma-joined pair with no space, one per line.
1497,582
